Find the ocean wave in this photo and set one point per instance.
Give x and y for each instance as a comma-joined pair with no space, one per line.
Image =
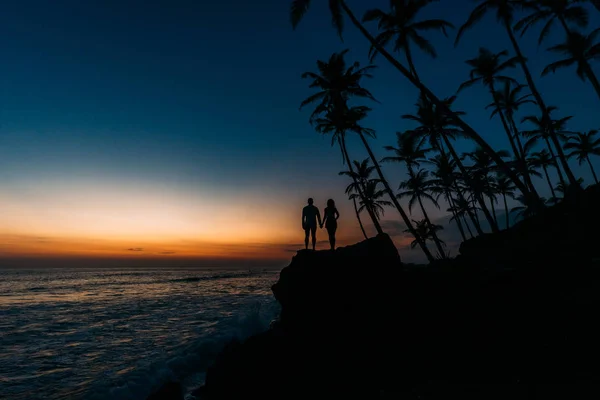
188,365
214,277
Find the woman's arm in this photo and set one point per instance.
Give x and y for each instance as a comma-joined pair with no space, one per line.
324,218
337,214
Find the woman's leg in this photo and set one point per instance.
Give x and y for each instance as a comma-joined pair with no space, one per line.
331,231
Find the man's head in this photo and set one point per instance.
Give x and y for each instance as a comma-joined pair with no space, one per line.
310,201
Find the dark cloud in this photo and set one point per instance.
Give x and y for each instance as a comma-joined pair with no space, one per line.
136,249
167,252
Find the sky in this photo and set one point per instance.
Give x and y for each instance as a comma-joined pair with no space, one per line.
169,132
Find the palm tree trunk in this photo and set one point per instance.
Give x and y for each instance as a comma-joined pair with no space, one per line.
475,208
403,214
456,187
454,214
504,123
526,175
409,60
468,131
467,178
506,210
438,244
555,163
587,158
549,181
468,227
358,185
516,135
591,76
541,104
493,209
362,228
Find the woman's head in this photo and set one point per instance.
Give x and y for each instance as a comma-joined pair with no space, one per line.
330,203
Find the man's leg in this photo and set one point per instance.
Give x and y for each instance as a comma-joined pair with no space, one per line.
306,233
313,231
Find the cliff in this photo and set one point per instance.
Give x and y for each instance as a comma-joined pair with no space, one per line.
514,316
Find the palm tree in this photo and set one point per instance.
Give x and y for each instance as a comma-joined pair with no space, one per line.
460,208
505,188
482,166
348,120
565,11
408,150
562,189
400,24
508,100
505,10
523,210
543,159
336,83
579,49
444,176
583,145
339,122
542,131
437,128
360,174
428,232
337,8
417,187
373,198
487,68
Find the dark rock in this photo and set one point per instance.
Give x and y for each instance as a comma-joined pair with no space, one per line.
169,391
496,323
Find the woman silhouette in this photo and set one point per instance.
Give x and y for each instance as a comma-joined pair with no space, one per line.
331,216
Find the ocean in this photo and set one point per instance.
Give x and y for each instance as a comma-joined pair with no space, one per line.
120,333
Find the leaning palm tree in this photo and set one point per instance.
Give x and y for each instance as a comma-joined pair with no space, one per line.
505,11
582,146
437,128
444,176
488,69
374,198
338,8
408,150
509,99
428,232
338,122
461,208
549,11
481,171
542,131
360,174
348,119
336,82
542,159
417,187
522,210
401,26
579,50
505,188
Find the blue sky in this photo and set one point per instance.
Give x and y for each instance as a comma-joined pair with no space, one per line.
200,100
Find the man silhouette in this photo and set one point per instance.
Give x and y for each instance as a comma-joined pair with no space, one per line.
310,215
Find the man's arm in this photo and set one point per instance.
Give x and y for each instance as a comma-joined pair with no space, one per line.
303,217
319,216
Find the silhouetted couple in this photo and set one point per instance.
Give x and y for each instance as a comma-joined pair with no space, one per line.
310,215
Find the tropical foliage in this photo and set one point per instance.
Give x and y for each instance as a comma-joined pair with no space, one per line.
477,187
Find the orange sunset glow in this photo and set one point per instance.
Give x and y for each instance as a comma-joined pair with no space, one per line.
135,221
